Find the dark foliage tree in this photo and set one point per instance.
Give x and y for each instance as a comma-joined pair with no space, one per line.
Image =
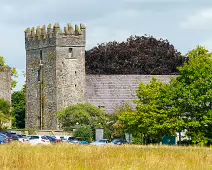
137,55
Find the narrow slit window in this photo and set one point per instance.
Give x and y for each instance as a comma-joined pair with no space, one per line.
41,55
70,53
39,75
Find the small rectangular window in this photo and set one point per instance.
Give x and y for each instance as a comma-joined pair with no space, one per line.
70,53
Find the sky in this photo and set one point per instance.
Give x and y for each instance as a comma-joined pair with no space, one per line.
185,23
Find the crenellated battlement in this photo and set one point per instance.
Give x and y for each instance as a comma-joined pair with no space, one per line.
53,35
49,32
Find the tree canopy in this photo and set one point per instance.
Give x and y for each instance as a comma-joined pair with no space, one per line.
185,103
137,55
5,113
19,105
82,114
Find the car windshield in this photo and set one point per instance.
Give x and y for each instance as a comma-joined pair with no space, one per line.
34,137
3,135
2,138
115,140
102,141
51,137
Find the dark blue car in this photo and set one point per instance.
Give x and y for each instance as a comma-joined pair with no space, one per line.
3,140
53,139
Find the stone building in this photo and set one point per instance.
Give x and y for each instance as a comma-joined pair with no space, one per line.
5,87
56,76
5,83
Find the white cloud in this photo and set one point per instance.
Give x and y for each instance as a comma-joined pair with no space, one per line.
202,19
207,44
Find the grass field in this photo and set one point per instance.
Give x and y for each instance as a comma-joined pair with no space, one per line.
65,156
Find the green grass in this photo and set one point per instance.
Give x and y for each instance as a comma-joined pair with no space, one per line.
65,156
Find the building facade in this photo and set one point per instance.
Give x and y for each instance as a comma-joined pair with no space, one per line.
56,78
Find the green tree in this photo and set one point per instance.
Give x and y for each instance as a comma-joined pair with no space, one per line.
117,128
5,113
82,114
185,103
191,96
19,105
85,133
147,121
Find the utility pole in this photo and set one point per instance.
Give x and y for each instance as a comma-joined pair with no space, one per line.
41,90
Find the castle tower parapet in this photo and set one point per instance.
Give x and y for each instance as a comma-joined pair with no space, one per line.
40,37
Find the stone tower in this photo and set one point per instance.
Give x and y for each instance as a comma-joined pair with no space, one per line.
55,72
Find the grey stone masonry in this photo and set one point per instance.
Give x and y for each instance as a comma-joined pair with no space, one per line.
5,83
112,91
55,72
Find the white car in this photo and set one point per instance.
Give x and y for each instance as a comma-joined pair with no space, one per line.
101,142
25,139
34,140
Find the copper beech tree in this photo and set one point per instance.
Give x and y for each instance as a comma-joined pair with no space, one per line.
136,55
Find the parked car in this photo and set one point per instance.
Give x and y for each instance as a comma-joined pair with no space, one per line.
3,140
9,134
2,134
118,141
63,139
101,142
53,139
25,139
13,138
20,137
78,141
34,140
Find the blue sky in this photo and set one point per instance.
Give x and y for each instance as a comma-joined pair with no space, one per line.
185,23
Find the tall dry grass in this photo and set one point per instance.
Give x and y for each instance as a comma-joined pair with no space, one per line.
65,156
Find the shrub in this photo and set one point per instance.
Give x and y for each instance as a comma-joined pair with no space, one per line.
85,133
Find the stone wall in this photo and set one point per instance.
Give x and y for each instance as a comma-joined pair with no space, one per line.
70,73
111,91
5,84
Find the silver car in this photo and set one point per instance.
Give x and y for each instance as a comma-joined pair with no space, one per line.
101,142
